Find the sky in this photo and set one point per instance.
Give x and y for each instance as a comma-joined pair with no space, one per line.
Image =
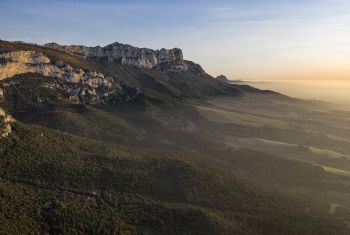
242,39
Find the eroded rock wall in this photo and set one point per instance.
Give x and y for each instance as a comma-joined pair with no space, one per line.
86,86
163,59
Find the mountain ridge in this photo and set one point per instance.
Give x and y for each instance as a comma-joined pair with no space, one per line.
166,59
192,82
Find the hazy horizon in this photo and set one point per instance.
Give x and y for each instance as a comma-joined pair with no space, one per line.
331,91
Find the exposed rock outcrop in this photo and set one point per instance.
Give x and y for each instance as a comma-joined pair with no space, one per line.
86,86
5,119
163,59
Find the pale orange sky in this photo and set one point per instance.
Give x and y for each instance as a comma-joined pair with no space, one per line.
296,70
328,60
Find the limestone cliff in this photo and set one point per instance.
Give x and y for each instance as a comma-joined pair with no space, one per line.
163,59
86,86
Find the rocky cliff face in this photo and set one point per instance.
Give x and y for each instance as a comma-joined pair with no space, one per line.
163,59
86,86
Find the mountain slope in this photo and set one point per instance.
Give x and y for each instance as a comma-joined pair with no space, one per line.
158,195
154,164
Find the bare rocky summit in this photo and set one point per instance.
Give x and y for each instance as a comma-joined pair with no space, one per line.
163,59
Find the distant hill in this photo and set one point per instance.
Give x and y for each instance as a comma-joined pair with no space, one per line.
222,78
